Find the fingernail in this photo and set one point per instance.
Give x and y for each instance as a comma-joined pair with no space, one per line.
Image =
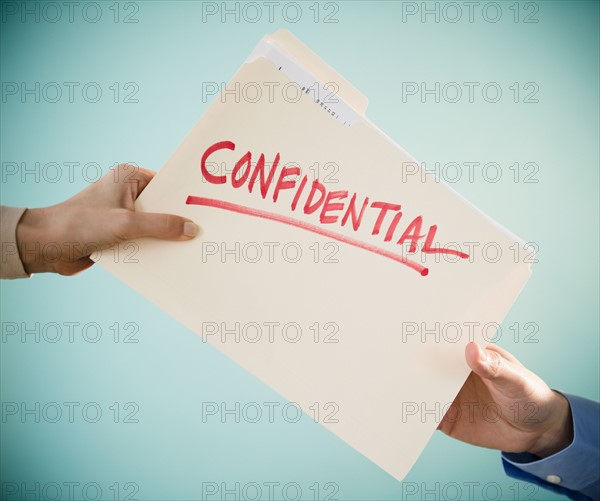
190,229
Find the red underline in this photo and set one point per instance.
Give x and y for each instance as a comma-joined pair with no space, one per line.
241,209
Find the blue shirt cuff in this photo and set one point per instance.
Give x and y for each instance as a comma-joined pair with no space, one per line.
577,467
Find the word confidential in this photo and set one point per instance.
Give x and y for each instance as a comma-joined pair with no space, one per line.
333,207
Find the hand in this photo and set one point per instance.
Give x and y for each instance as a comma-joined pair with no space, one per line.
61,238
503,405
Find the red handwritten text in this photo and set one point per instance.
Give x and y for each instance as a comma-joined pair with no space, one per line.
333,207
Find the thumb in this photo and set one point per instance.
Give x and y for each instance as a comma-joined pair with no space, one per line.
491,365
163,226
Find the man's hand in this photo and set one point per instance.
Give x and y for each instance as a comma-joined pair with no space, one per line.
61,238
503,405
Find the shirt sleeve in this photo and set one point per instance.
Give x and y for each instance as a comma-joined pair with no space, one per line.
10,261
574,471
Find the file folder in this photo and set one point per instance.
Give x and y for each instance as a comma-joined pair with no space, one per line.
330,265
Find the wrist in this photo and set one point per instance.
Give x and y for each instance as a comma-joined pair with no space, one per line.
558,434
31,242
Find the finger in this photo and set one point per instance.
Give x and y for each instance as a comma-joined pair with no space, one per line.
136,178
162,226
143,178
118,188
74,267
503,352
131,177
489,364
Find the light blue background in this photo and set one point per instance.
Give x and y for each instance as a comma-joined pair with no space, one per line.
169,53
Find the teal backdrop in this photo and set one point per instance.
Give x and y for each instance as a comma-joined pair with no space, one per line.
150,441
